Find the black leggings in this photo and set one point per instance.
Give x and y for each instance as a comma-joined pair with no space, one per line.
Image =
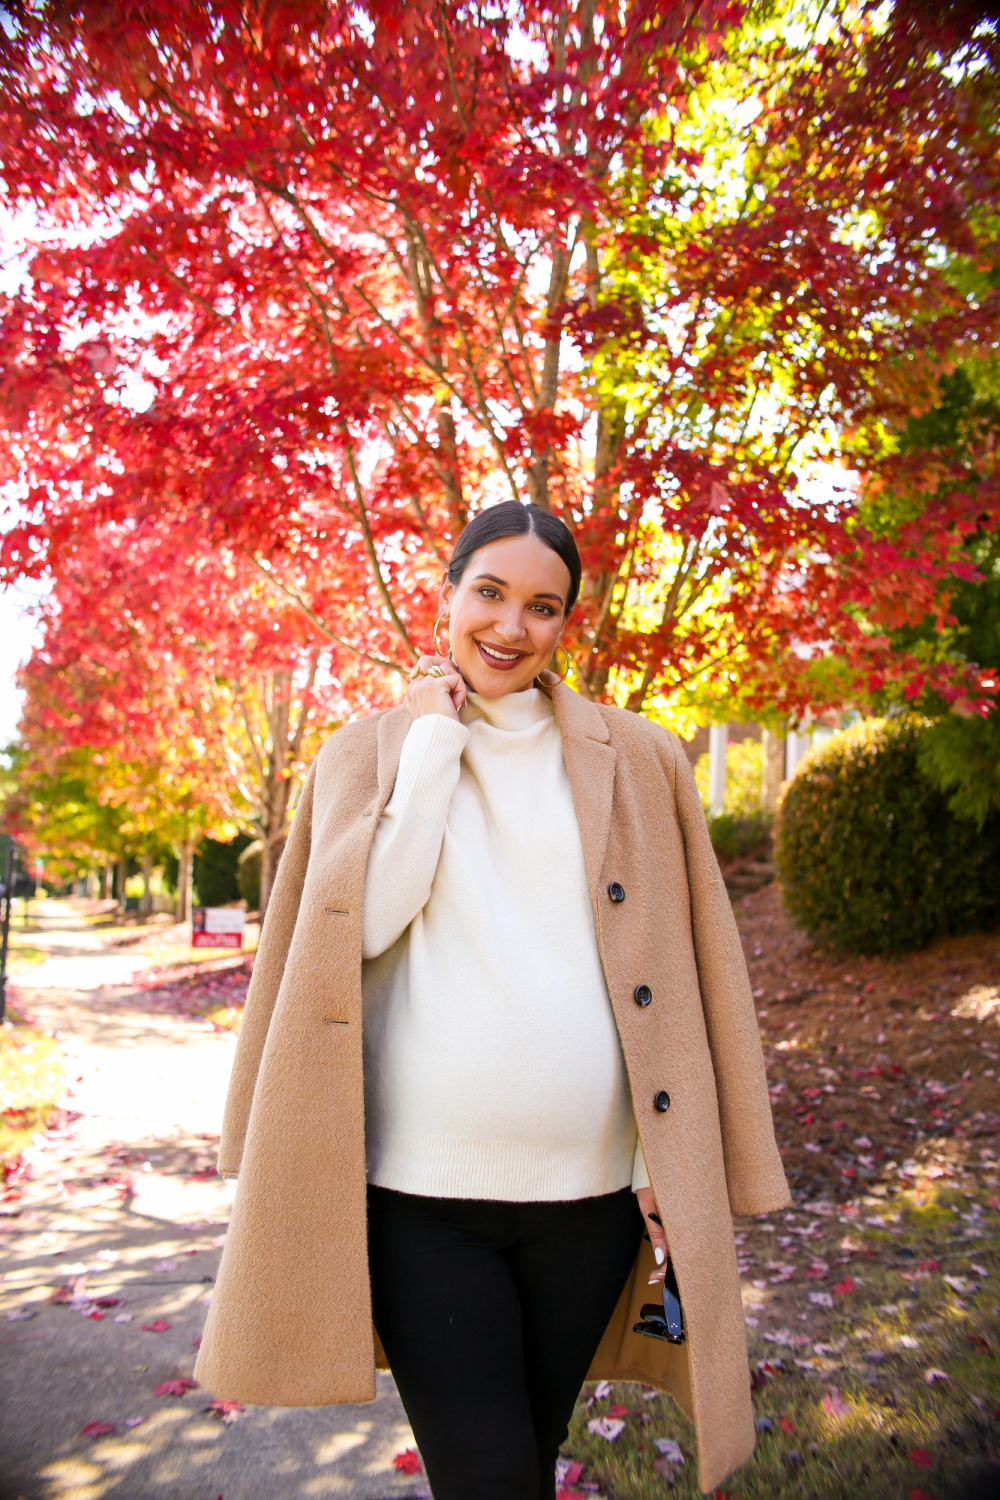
490,1314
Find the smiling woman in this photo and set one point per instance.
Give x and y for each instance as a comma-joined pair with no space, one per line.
499,975
511,583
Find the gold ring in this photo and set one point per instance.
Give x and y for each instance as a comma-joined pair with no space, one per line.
434,671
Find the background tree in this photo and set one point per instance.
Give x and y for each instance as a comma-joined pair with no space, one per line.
350,273
206,676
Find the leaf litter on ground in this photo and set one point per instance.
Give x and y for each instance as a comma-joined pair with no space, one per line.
887,1220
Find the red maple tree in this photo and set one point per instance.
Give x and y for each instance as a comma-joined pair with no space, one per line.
319,280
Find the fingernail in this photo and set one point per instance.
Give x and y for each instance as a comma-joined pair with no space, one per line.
658,1255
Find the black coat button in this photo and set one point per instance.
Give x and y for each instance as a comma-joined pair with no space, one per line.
661,1101
642,994
616,892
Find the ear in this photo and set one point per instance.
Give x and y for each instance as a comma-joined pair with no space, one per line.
446,594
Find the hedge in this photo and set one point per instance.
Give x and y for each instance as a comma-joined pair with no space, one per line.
870,856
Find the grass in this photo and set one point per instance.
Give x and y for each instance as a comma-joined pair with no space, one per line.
32,1082
879,1341
22,955
884,1092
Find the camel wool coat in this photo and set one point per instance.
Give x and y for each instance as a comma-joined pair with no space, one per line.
290,1318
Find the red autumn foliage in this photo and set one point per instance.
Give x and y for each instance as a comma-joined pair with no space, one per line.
318,286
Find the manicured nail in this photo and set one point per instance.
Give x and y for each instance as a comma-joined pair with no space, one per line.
658,1255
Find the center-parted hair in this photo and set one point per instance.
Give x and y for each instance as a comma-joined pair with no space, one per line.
511,518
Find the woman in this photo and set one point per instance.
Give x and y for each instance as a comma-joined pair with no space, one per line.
498,980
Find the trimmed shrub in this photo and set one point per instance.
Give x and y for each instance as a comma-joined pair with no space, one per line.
736,835
248,874
216,870
871,858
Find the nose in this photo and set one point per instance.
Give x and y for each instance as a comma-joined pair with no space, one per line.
510,628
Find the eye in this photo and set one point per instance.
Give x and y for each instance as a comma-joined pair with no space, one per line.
488,591
544,609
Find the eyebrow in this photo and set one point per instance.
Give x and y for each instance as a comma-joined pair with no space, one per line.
492,578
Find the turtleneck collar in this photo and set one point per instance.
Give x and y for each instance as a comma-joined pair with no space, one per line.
514,711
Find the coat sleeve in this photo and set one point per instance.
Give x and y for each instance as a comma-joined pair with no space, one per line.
754,1174
268,969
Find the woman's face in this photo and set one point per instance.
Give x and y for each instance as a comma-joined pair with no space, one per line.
506,614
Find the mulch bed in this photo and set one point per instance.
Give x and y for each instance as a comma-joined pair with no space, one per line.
897,1052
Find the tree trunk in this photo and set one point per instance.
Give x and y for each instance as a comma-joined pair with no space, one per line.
120,875
185,880
107,880
146,904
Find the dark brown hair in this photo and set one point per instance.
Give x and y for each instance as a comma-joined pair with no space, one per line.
511,518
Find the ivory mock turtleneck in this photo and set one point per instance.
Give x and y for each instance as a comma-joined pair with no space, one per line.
493,1067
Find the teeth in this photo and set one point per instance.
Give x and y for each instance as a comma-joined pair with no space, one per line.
499,656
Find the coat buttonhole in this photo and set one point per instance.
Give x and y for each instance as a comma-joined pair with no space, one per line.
332,1021
335,911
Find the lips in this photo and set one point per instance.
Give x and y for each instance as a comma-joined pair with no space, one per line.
498,657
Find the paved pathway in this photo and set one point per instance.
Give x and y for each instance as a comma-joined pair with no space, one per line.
147,1093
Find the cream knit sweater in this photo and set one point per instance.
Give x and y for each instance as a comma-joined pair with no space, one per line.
493,1067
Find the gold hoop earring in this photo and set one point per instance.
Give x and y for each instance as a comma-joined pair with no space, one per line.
441,619
569,661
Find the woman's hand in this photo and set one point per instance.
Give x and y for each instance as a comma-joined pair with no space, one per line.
436,695
654,1228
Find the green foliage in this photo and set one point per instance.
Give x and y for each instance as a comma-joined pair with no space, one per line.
872,858
744,774
248,875
962,756
735,835
216,870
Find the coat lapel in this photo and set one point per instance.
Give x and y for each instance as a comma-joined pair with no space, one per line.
590,763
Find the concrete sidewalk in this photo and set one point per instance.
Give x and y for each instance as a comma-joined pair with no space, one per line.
148,1091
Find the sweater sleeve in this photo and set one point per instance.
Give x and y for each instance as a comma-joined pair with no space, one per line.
640,1177
407,842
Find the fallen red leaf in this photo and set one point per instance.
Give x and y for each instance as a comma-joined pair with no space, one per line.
843,1288
62,1294
408,1462
617,1411
981,1341
919,1494
927,1265
573,1472
229,1411
160,1326
922,1457
177,1387
98,1429
785,1425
